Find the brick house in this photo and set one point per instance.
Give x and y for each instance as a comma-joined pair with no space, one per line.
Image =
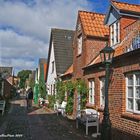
124,87
68,74
90,38
6,82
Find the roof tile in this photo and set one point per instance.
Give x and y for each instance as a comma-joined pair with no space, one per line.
126,6
92,23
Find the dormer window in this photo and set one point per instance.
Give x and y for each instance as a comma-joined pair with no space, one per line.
79,48
115,33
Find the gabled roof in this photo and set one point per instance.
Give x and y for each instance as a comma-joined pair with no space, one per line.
62,40
122,9
93,24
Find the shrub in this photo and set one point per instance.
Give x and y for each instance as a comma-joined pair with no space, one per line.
51,99
82,90
69,106
60,91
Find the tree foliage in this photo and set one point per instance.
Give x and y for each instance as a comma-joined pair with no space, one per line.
42,89
70,87
60,90
82,89
23,75
32,83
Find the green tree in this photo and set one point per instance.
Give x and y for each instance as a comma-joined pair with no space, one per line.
23,75
32,83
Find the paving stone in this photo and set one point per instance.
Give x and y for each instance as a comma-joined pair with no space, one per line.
39,124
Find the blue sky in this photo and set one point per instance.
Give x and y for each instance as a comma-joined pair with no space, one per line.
25,27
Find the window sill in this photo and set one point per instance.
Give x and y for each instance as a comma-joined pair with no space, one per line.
101,109
90,105
115,45
132,116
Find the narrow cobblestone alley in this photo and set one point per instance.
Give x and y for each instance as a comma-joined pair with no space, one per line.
38,124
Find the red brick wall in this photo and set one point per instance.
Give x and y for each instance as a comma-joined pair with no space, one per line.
124,22
92,49
7,89
122,120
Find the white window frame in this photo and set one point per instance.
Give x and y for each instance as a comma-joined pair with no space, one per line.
91,91
102,95
79,45
134,98
115,33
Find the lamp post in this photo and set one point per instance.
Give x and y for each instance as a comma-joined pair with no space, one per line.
106,55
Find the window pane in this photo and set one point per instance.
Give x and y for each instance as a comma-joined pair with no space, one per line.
137,79
130,80
137,92
137,105
130,92
102,89
130,104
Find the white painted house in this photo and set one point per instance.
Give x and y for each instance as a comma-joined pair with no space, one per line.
60,56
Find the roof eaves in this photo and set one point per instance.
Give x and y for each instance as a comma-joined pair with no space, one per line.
98,37
50,46
129,13
128,54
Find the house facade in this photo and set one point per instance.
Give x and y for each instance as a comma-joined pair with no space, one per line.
90,38
123,29
60,56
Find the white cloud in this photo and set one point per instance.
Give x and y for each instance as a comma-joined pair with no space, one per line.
27,37
20,46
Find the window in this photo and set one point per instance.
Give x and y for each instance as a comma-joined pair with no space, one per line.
115,33
102,92
133,92
91,91
52,66
136,42
79,51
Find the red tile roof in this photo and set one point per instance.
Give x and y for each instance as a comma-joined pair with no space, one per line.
93,24
69,70
45,71
126,6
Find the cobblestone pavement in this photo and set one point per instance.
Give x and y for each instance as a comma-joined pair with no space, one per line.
38,124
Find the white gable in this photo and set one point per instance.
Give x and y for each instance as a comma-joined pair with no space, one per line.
112,16
51,77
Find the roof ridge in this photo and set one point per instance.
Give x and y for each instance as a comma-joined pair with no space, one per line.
124,2
90,12
62,29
